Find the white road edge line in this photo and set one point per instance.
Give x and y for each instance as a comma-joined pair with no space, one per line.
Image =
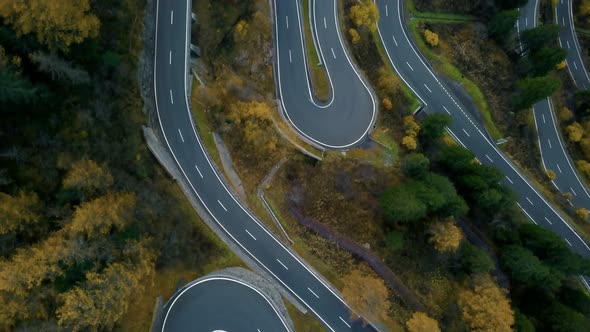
527,214
218,201
285,266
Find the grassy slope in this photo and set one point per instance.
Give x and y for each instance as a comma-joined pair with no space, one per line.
319,77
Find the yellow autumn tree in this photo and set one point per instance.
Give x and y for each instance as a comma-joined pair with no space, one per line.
100,216
551,174
366,294
585,7
56,23
431,37
420,322
575,132
354,36
241,30
102,300
409,143
386,81
86,175
365,14
18,212
387,104
411,126
582,214
445,236
485,307
254,121
565,114
561,65
584,167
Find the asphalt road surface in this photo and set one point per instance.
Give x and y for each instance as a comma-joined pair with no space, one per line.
553,153
418,75
172,105
223,305
346,118
568,40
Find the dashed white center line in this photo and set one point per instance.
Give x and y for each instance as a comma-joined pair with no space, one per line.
427,88
171,17
490,159
285,266
325,24
386,11
568,242
316,295
529,201
333,54
446,109
573,191
559,168
568,43
466,133
180,133
198,170
575,65
549,221
287,20
171,99
218,201
343,321
251,235
526,21
290,58
543,115
549,141
170,61
509,180
409,66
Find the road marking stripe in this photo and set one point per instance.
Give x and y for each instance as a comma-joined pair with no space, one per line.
529,201
573,191
171,17
543,115
466,133
568,43
490,159
287,20
427,88
550,223
575,65
559,168
549,141
527,214
325,25
290,58
170,61
333,54
316,295
198,170
446,109
386,11
409,66
285,266
171,99
568,242
526,21
343,321
218,201
251,235
509,179
394,40
179,133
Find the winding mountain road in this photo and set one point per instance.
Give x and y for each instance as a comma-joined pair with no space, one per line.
348,115
554,156
568,40
171,74
438,98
